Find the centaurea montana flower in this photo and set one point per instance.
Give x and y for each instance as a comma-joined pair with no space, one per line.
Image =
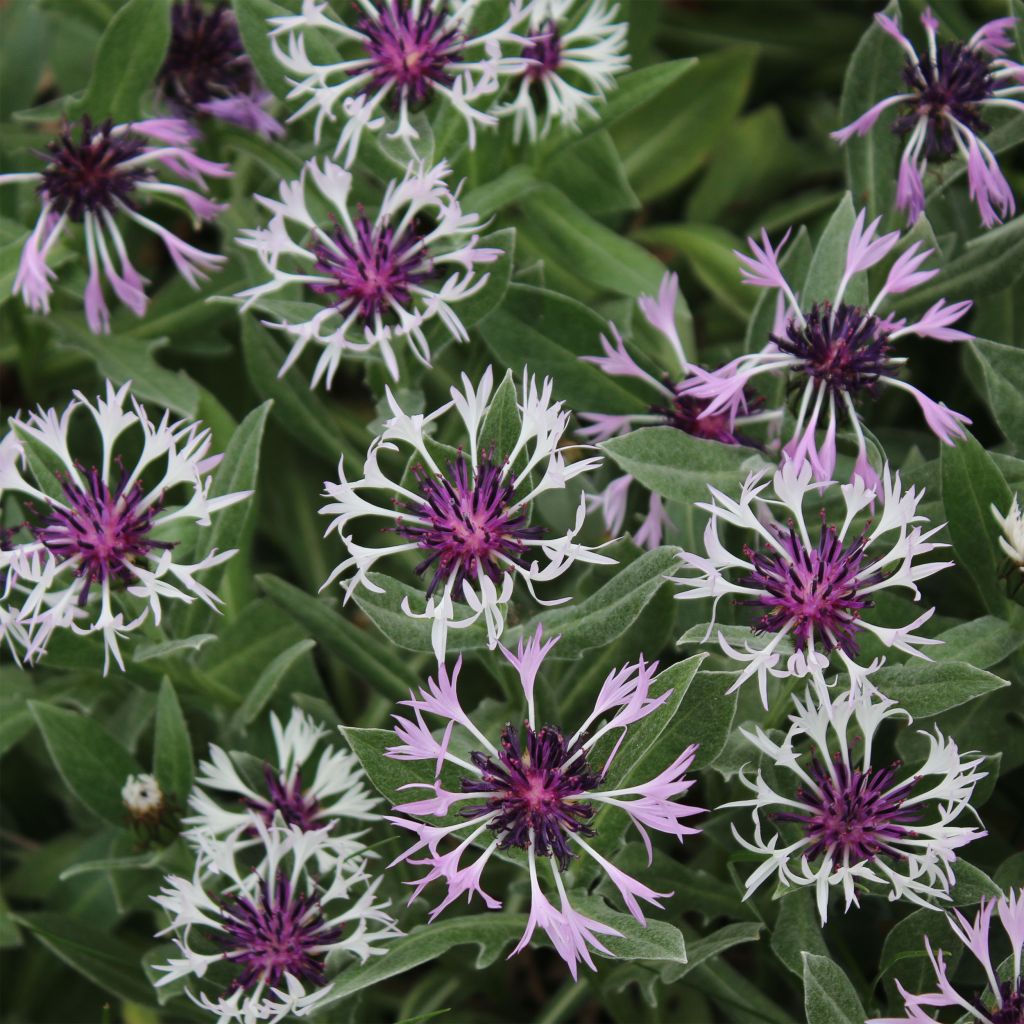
949,89
469,514
848,822
98,177
668,408
539,793
1001,999
207,71
1012,540
397,57
336,791
381,278
106,532
837,353
812,591
575,50
262,934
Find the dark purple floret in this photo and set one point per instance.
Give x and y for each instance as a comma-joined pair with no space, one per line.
954,85
90,175
818,590
684,413
1011,1008
373,271
410,53
281,932
544,51
205,58
533,789
844,347
286,797
105,530
857,815
470,525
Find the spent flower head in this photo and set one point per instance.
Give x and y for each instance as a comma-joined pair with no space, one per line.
466,511
537,791
380,279
97,175
97,553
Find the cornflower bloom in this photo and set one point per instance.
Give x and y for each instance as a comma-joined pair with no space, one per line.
1012,540
336,790
574,52
207,71
398,57
540,793
668,408
837,353
469,515
949,89
1001,1000
814,592
99,531
102,175
848,821
381,279
263,934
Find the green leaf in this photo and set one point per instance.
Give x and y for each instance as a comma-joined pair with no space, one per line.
387,775
829,998
129,56
679,466
1002,368
981,643
829,261
925,690
502,425
971,484
657,941
590,172
172,745
108,962
797,931
267,682
169,648
252,18
705,718
972,885
904,955
365,654
712,945
93,765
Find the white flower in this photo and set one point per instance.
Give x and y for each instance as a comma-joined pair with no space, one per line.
382,278
1012,525
142,796
849,823
101,554
470,517
813,591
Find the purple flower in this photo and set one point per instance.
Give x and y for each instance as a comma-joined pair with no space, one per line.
1000,1000
838,355
206,70
100,176
538,790
949,88
850,821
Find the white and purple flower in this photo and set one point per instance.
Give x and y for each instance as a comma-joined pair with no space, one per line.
397,57
99,553
949,89
1001,997
98,177
847,823
207,71
812,591
836,354
382,279
469,514
536,792
259,937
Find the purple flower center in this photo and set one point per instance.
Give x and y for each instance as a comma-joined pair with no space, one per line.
845,348
1011,1008
543,51
469,523
286,797
857,814
684,413
534,792
953,86
281,932
410,52
374,271
205,59
817,592
106,531
90,175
